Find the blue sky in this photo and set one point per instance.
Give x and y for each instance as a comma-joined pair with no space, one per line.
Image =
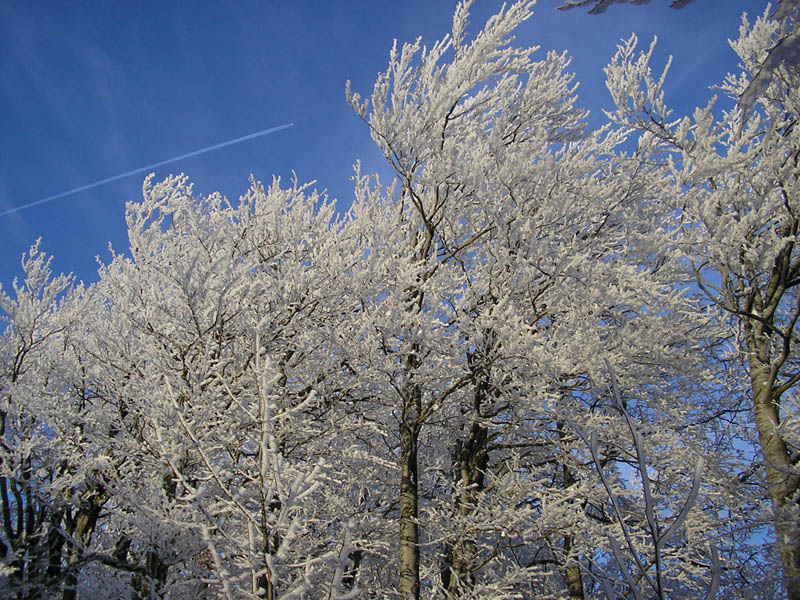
92,89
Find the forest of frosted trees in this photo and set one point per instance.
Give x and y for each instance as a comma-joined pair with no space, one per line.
541,361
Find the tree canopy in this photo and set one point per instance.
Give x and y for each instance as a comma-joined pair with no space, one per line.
540,361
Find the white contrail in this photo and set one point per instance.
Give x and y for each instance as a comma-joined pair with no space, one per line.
140,169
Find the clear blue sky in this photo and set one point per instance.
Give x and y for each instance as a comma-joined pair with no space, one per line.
92,89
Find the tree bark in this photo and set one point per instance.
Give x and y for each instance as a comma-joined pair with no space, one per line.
572,573
410,425
409,510
81,528
572,570
782,478
471,459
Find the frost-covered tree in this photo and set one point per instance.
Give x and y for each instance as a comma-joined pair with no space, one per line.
733,174
514,243
214,337
265,399
48,499
783,52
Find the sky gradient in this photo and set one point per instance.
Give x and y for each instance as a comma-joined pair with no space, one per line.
92,90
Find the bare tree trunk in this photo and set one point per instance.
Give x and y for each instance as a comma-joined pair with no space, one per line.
410,426
409,510
572,571
470,461
782,477
55,547
81,528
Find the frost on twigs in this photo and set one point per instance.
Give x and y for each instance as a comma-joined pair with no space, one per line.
649,546
416,399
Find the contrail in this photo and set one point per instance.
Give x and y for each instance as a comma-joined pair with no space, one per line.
140,169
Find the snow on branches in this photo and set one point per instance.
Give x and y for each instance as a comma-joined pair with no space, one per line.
419,398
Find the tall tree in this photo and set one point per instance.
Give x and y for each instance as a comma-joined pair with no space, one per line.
215,337
512,242
733,177
51,491
264,399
